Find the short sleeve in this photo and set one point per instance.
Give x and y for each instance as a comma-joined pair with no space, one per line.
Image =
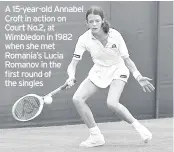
123,48
79,49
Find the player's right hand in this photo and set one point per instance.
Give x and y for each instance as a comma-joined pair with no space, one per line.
70,82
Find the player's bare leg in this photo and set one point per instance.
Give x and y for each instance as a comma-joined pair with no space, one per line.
116,88
86,90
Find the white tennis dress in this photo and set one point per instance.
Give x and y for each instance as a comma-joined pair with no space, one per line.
108,60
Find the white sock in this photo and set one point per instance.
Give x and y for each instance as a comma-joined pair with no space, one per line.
95,130
136,124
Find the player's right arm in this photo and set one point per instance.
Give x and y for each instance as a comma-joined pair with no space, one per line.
71,71
72,68
77,56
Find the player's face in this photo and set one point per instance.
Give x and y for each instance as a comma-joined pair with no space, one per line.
94,22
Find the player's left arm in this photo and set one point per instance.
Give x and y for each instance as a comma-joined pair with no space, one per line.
143,81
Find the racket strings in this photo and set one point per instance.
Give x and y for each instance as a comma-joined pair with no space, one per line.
27,107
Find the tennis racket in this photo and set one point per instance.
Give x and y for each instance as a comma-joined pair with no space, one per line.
30,106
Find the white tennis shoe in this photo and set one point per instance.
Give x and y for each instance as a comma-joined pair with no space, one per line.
144,133
93,141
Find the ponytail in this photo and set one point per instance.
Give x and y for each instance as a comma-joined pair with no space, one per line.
105,27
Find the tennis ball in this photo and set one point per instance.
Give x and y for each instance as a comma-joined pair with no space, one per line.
48,99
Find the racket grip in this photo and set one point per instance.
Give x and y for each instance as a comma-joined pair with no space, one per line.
63,87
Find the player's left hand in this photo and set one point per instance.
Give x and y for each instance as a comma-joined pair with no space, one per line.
145,84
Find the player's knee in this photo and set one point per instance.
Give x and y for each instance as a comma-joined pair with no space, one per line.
113,104
77,100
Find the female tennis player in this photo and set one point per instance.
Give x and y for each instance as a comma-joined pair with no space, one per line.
111,68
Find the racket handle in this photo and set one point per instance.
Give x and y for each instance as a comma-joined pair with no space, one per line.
63,87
